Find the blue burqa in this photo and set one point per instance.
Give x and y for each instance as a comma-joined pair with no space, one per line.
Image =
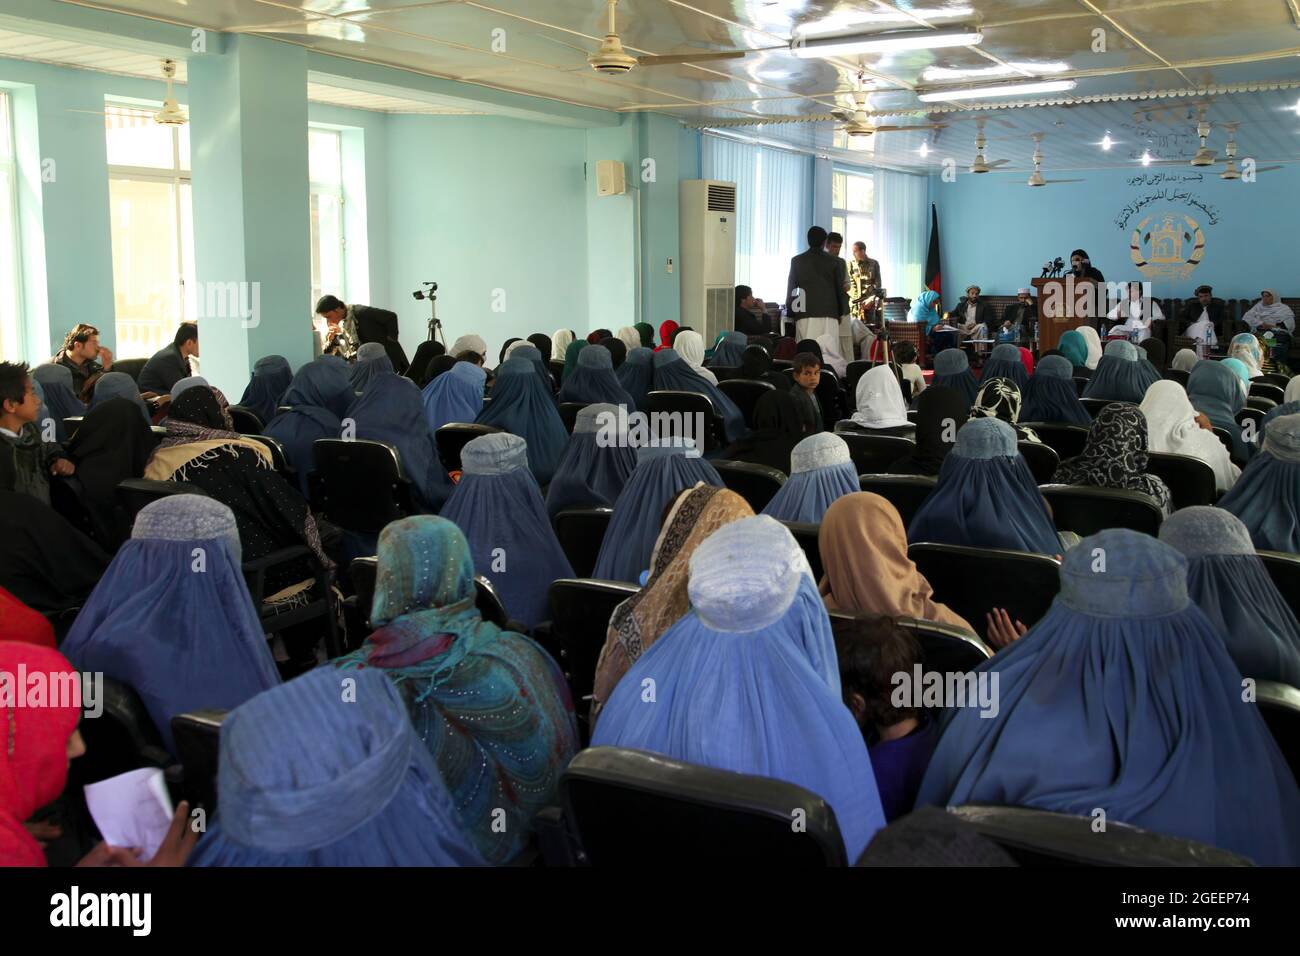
60,400
636,375
454,396
1121,375
372,360
952,369
596,463
672,373
1267,495
1005,362
390,411
319,398
1051,395
821,470
265,390
594,381
522,406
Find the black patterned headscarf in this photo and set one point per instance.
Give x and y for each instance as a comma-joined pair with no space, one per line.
1115,456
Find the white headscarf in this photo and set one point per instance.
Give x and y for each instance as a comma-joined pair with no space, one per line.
831,354
560,341
1279,313
515,345
1293,390
469,343
1172,429
690,346
1184,360
880,400
1091,337
629,337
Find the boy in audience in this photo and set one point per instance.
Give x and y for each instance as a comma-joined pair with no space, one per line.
905,357
807,376
900,740
25,458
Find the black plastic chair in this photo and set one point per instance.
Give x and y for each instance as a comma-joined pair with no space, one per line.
1080,383
556,367
569,414
1095,405
724,373
619,802
131,366
278,459
1262,389
1255,431
745,392
197,736
134,493
1279,705
122,738
945,648
1276,378
689,409
757,484
855,370
1085,510
1284,569
806,534
1042,838
1041,458
973,581
1261,403
1190,480
71,424
246,420
873,454
1177,375
905,492
580,612
1066,440
454,436
580,532
359,485
1225,439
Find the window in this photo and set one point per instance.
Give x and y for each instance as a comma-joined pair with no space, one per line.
325,169
152,227
853,206
12,345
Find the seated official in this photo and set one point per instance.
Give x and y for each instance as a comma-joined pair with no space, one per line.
352,326
84,357
748,309
1136,313
26,459
1020,315
1205,313
973,316
171,363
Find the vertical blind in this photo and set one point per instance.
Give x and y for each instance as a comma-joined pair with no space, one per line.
901,226
774,192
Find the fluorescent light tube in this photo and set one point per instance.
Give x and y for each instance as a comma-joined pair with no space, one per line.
822,47
1005,89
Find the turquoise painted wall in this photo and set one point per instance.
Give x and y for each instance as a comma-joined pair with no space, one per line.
996,231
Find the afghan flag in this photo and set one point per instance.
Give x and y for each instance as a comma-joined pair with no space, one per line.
933,274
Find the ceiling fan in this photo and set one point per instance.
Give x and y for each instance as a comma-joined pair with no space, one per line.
170,114
857,125
1036,178
980,165
612,60
1230,170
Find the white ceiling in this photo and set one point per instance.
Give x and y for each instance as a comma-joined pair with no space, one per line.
1153,48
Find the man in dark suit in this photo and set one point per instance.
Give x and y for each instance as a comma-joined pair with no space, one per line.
171,363
816,293
1203,314
747,319
361,324
973,316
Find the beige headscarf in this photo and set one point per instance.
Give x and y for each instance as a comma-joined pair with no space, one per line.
1093,341
629,337
643,618
867,570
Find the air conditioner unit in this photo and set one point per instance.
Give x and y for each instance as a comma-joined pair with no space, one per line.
708,256
611,178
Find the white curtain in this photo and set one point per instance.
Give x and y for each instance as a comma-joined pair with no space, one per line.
774,190
902,222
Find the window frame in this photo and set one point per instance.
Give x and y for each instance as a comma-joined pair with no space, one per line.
842,212
335,191
9,163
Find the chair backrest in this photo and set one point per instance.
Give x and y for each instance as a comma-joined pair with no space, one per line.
198,745
131,366
1278,379
1041,458
1225,439
745,392
1255,415
122,738
569,414
1095,405
973,581
905,492
364,570
1177,375
1284,569
1268,390
873,454
454,436
619,802
1260,402
757,484
1085,510
1080,383
246,420
580,613
556,367
692,409
134,493
1066,440
1042,838
724,372
359,484
278,460
71,424
580,532
1279,705
945,648
856,369
1190,480
806,534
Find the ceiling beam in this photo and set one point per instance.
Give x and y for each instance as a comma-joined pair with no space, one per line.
81,22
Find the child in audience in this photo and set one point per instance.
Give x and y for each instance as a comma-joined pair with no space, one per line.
905,358
26,459
900,740
807,376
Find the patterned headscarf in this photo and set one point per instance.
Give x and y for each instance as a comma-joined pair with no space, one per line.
198,414
1115,456
1000,398
1245,349
643,618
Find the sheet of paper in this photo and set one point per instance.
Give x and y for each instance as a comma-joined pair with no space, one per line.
132,809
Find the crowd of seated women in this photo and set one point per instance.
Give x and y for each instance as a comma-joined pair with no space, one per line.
453,731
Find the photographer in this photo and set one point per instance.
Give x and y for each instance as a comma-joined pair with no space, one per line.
351,326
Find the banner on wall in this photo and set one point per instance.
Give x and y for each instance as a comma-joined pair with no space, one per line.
1167,225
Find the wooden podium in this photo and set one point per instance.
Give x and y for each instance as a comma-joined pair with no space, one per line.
1063,304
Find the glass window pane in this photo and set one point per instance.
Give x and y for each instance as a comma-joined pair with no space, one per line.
11,343
861,193
6,140
188,273
324,164
326,246
838,225
146,285
838,190
183,135
134,139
